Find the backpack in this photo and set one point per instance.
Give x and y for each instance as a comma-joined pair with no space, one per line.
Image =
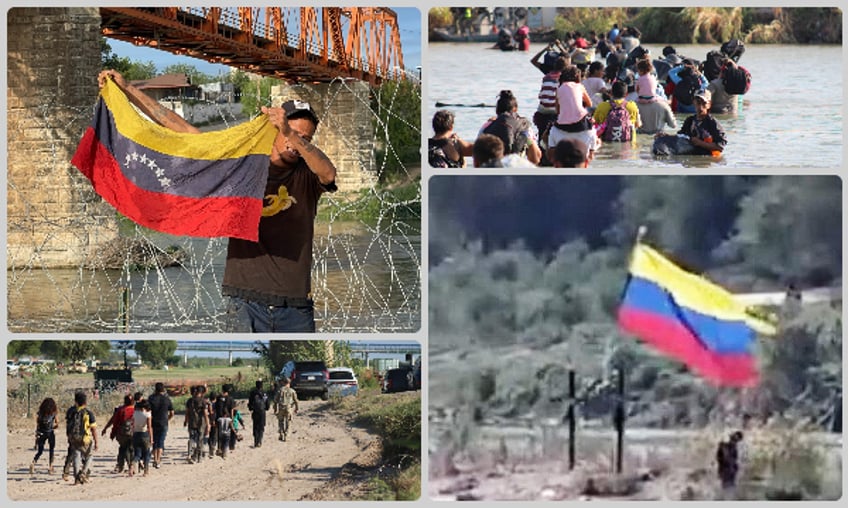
221,407
686,89
736,80
78,427
617,123
437,157
509,128
195,408
257,403
734,49
125,431
45,424
713,63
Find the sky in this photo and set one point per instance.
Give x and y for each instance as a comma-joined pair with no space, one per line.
409,23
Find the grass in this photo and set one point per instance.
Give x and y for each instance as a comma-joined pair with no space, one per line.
400,202
396,418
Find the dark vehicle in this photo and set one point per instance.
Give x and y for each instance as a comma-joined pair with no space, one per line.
311,378
106,379
397,380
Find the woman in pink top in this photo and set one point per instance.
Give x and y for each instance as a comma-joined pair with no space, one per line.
573,118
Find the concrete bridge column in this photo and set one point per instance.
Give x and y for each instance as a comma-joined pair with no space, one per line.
54,218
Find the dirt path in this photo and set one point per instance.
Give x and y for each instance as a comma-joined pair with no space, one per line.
318,446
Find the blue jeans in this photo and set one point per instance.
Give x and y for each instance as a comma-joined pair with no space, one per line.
245,316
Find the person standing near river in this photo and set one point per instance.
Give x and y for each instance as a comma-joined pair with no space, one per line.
269,282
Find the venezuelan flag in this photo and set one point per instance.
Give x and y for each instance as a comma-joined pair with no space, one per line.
208,185
691,319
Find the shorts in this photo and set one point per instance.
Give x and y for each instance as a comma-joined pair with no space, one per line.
159,433
588,137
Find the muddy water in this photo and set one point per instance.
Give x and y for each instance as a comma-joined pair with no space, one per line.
791,117
364,279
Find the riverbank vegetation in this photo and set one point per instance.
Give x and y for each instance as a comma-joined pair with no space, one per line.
698,25
524,294
712,25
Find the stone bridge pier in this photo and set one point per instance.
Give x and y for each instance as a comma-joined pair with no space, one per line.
54,218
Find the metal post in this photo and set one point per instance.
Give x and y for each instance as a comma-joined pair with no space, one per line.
571,419
619,422
124,309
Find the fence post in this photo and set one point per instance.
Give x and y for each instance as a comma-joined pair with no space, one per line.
29,395
571,419
619,422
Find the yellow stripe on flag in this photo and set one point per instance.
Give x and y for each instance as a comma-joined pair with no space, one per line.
692,291
255,137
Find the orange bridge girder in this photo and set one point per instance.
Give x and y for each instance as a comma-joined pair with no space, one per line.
295,44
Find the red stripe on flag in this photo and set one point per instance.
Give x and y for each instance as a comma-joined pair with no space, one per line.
236,217
674,339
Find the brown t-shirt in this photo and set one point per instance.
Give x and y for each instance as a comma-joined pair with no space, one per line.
280,263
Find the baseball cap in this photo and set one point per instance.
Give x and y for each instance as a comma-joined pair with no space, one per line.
704,95
299,109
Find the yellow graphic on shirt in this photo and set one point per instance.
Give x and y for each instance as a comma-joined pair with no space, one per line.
278,202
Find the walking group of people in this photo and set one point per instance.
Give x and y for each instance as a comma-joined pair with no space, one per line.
140,426
603,89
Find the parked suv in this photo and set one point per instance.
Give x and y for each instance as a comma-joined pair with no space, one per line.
343,381
397,380
311,378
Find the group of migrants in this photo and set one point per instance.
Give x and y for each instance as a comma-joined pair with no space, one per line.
140,425
604,88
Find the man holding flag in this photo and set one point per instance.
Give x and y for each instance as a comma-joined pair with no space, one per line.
691,319
257,185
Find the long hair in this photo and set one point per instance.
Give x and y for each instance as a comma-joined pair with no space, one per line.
506,102
48,407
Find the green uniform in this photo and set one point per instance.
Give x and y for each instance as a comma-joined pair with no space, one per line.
286,402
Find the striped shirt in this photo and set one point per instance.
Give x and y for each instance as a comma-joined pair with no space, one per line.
547,95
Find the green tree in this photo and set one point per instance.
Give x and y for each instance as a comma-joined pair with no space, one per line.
76,350
397,126
140,70
277,352
253,93
155,352
195,77
24,348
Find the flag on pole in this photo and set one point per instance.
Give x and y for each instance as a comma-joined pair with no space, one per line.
689,318
209,184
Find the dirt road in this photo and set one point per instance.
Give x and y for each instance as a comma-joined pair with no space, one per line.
318,446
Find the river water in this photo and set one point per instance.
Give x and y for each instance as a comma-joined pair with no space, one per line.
365,279
791,116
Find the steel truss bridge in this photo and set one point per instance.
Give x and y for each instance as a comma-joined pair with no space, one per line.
295,44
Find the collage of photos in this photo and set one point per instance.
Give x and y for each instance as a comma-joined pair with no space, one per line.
575,253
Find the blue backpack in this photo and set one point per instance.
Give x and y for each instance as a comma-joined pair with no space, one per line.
617,123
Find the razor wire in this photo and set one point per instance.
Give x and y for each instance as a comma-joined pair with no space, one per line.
365,277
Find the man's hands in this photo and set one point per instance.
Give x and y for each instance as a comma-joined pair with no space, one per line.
114,75
277,117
